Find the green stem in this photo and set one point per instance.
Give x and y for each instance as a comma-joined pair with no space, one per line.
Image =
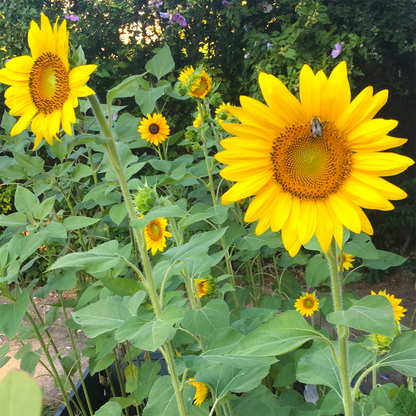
251,280
342,330
136,405
111,149
410,384
77,358
50,361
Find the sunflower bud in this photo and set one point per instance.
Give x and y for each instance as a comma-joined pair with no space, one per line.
206,286
181,88
216,99
381,343
145,199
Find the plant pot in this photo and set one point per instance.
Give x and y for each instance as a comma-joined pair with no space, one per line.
100,394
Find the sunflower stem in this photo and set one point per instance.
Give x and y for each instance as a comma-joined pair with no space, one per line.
214,201
342,330
111,149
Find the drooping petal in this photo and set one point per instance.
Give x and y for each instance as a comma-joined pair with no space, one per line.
382,164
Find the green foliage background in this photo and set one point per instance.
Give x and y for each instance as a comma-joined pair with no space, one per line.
379,42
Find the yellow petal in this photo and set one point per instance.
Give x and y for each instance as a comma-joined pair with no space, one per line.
336,223
307,221
387,189
290,229
365,223
283,103
245,171
306,83
319,94
283,204
247,188
259,205
23,121
324,227
381,164
344,212
385,143
247,132
371,131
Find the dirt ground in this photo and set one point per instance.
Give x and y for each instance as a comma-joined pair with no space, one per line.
402,285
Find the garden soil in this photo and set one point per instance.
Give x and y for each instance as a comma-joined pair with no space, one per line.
402,285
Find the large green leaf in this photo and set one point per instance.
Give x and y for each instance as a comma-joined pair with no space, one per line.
122,286
24,200
404,403
20,395
224,378
146,100
260,401
127,88
384,261
317,271
107,314
15,219
215,314
11,316
373,314
145,379
361,246
280,335
402,354
162,63
75,223
162,400
255,242
318,366
154,333
110,409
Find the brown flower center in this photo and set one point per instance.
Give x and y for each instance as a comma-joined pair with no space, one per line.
154,128
155,230
311,167
48,83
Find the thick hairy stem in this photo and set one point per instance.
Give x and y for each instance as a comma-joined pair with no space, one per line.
342,331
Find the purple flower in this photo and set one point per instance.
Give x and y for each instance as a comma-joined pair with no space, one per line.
72,17
179,19
164,15
337,51
226,3
268,46
155,4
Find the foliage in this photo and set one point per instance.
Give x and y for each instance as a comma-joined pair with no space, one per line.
70,209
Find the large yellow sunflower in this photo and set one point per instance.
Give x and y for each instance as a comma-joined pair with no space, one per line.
44,91
397,309
312,165
201,393
154,129
307,304
185,74
155,234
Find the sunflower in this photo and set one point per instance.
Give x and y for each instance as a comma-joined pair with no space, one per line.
44,91
154,129
307,304
201,393
200,84
398,310
155,234
312,165
185,74
197,122
206,286
222,113
347,260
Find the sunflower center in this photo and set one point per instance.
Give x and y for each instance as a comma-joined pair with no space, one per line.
309,303
310,167
155,231
48,83
200,85
154,128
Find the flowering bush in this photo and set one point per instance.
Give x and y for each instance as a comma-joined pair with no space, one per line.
188,279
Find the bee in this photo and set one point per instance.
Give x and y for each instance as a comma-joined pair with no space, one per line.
316,127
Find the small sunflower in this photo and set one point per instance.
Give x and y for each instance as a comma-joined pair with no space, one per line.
185,74
154,129
200,84
43,90
347,260
201,393
307,304
222,113
206,286
398,310
155,234
197,121
312,164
